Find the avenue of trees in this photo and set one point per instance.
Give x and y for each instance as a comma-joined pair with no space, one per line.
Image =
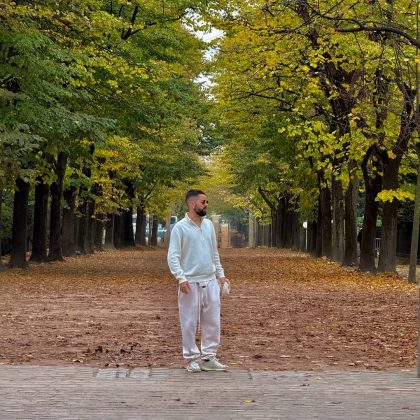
317,102
99,119
314,104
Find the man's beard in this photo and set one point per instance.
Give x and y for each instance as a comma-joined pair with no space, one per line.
201,213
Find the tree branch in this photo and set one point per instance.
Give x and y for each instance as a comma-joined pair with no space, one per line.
266,199
389,29
135,13
130,32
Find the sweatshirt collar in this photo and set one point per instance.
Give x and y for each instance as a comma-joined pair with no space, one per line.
191,221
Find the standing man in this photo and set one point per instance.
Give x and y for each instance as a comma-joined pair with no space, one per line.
193,259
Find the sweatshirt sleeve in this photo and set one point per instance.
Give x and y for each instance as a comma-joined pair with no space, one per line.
174,256
216,259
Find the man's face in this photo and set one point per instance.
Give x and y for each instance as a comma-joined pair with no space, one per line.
200,205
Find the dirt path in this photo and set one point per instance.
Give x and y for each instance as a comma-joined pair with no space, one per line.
286,311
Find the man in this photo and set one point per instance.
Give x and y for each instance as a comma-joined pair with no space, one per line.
193,259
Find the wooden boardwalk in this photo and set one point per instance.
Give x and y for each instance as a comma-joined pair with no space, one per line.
39,392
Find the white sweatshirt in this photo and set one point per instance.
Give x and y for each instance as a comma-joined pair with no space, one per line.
193,254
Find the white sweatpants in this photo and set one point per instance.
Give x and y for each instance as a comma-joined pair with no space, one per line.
200,307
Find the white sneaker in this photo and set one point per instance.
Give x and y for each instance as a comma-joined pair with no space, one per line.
213,364
193,367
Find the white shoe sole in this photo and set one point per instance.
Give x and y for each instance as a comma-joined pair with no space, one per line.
193,370
206,369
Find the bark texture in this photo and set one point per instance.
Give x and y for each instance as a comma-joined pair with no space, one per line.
19,228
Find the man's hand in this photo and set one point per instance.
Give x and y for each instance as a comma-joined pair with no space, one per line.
184,287
223,280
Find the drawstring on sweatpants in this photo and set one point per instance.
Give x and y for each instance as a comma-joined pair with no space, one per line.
200,286
199,297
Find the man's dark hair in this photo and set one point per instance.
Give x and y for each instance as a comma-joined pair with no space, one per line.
193,193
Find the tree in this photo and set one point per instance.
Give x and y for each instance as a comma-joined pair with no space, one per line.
329,83
100,66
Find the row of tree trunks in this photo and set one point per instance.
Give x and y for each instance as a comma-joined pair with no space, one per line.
20,216
337,240
262,234
123,230
342,247
334,77
69,233
286,231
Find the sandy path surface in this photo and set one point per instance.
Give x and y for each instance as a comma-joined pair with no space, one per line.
286,311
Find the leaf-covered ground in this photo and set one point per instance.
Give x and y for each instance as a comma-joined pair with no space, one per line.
286,311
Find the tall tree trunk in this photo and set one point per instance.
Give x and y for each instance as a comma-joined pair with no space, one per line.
274,209
338,220
318,244
69,222
367,246
297,238
312,238
56,189
2,267
109,232
350,225
123,229
281,221
370,215
140,226
118,225
416,225
274,228
252,230
39,240
93,222
326,216
90,210
387,253
286,223
128,235
388,249
19,228
293,228
373,183
97,221
154,237
99,232
82,231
